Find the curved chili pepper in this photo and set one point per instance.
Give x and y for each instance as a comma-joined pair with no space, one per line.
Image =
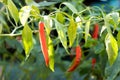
44,47
95,31
77,59
93,62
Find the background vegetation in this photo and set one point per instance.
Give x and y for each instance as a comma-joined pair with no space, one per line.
21,57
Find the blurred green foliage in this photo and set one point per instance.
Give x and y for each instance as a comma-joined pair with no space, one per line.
13,65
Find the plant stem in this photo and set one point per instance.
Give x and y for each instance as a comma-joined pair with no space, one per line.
10,34
18,34
19,27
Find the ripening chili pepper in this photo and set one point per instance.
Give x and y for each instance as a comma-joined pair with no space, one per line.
77,59
95,31
43,43
93,62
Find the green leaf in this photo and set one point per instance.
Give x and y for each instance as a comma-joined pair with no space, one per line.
113,19
60,17
99,48
48,24
31,3
24,14
1,28
111,48
3,1
87,26
51,53
27,40
118,38
28,1
61,33
115,16
71,7
13,10
3,22
45,3
40,4
35,12
107,24
72,29
112,71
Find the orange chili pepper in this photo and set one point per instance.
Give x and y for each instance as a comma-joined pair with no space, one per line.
77,59
44,47
95,31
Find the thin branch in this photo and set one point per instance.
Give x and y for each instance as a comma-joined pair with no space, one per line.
18,34
18,27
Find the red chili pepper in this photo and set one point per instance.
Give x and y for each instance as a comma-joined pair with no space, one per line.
77,59
44,47
93,62
95,31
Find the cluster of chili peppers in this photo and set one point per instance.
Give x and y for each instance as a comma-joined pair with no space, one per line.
45,49
78,51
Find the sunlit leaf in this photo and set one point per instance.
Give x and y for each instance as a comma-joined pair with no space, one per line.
71,7
87,26
78,19
24,14
35,12
61,33
27,40
13,10
113,18
112,71
51,53
102,30
48,24
72,31
60,17
111,48
47,21
3,1
118,38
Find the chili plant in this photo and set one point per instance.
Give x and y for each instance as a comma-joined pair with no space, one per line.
93,33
